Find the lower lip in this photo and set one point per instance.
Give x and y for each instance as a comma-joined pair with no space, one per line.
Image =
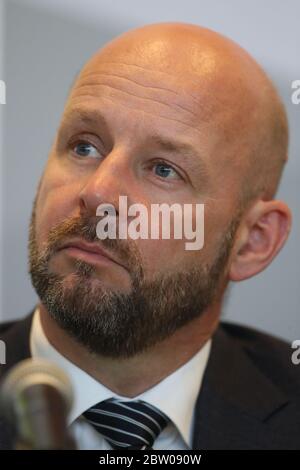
88,256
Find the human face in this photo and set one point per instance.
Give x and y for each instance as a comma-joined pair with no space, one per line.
120,137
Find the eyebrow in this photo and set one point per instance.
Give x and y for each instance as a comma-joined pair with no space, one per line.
83,116
174,146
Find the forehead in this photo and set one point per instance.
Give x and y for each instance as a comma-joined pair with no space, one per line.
165,94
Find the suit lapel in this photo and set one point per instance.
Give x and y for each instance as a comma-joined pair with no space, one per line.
235,400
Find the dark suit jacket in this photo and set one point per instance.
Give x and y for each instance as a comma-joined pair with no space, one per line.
250,395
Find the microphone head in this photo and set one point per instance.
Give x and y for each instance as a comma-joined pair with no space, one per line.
36,398
32,372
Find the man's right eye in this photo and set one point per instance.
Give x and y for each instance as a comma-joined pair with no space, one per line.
85,149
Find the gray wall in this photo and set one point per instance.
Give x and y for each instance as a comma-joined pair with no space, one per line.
47,43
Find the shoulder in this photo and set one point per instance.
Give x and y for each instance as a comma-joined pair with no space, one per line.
250,395
6,326
271,355
15,337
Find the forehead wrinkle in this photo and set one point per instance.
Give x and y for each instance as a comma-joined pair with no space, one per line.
138,68
92,74
127,106
170,105
195,88
206,73
192,78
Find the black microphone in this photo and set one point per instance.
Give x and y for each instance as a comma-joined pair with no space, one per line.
36,398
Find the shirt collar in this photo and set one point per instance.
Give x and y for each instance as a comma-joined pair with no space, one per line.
175,395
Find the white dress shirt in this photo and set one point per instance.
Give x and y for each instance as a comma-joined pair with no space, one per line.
175,395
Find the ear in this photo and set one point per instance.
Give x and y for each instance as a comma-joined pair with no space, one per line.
262,233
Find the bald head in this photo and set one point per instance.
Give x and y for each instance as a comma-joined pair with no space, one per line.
216,80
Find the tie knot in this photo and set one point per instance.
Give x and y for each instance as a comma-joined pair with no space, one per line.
127,424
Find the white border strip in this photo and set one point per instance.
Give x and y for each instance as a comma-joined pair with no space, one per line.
2,46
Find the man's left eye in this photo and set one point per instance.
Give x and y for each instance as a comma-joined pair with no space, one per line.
166,171
85,149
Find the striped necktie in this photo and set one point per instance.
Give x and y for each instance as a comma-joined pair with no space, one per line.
127,424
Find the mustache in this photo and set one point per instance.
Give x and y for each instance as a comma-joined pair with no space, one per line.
85,228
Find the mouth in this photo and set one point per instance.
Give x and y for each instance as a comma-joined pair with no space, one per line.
89,252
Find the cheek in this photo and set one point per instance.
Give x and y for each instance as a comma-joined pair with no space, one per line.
166,255
163,256
217,226
57,201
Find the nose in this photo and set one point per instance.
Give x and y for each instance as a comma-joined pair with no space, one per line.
112,178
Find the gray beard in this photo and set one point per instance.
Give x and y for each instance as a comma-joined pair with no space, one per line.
115,324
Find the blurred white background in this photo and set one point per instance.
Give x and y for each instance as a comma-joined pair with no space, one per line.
44,45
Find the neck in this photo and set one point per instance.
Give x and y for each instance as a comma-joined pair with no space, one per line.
132,376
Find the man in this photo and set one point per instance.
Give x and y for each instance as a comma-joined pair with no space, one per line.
168,113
